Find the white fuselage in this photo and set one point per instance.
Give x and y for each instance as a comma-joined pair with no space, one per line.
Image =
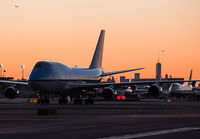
178,89
52,77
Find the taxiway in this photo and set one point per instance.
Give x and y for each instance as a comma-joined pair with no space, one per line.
145,119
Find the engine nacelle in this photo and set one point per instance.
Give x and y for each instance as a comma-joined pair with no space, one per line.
154,90
11,92
108,93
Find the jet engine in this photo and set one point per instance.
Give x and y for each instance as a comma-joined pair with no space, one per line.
11,92
154,90
107,93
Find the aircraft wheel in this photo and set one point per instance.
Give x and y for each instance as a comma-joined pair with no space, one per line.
42,101
62,101
47,101
89,101
75,101
78,101
39,101
65,101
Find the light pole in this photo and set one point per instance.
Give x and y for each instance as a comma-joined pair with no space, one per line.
23,67
4,72
1,69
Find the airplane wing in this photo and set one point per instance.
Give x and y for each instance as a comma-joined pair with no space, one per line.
14,82
83,86
117,72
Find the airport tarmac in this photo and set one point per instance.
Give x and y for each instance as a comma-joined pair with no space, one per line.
144,119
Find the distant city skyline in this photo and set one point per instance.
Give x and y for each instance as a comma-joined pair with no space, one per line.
136,34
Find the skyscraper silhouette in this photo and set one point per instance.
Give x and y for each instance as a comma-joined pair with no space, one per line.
158,71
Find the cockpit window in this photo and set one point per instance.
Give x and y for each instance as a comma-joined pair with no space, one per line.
39,65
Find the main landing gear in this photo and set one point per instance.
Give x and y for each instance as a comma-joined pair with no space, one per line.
89,100
43,99
64,100
80,101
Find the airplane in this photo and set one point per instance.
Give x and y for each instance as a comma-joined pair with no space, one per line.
51,79
177,89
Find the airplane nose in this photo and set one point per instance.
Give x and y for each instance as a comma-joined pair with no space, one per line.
42,70
38,71
173,88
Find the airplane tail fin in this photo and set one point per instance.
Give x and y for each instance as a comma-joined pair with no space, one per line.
190,78
98,54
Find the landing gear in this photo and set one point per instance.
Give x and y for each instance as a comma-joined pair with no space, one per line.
78,101
43,101
89,101
62,101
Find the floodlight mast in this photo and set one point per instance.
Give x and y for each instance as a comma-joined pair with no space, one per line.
1,70
23,67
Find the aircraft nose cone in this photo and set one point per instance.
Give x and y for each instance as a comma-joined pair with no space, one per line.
173,88
41,71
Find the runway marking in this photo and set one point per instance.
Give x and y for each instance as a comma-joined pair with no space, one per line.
146,134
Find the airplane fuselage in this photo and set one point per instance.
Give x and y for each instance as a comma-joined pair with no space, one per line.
52,77
177,89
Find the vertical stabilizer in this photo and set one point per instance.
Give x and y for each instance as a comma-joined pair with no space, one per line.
190,78
98,54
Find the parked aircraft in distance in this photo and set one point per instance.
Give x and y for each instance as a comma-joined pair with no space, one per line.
178,90
50,79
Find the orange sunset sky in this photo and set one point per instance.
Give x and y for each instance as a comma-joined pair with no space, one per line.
136,33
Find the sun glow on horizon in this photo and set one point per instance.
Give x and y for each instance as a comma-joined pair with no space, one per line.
136,33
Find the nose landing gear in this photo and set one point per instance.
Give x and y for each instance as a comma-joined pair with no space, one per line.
44,99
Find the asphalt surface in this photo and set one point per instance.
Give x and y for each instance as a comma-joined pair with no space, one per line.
145,119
